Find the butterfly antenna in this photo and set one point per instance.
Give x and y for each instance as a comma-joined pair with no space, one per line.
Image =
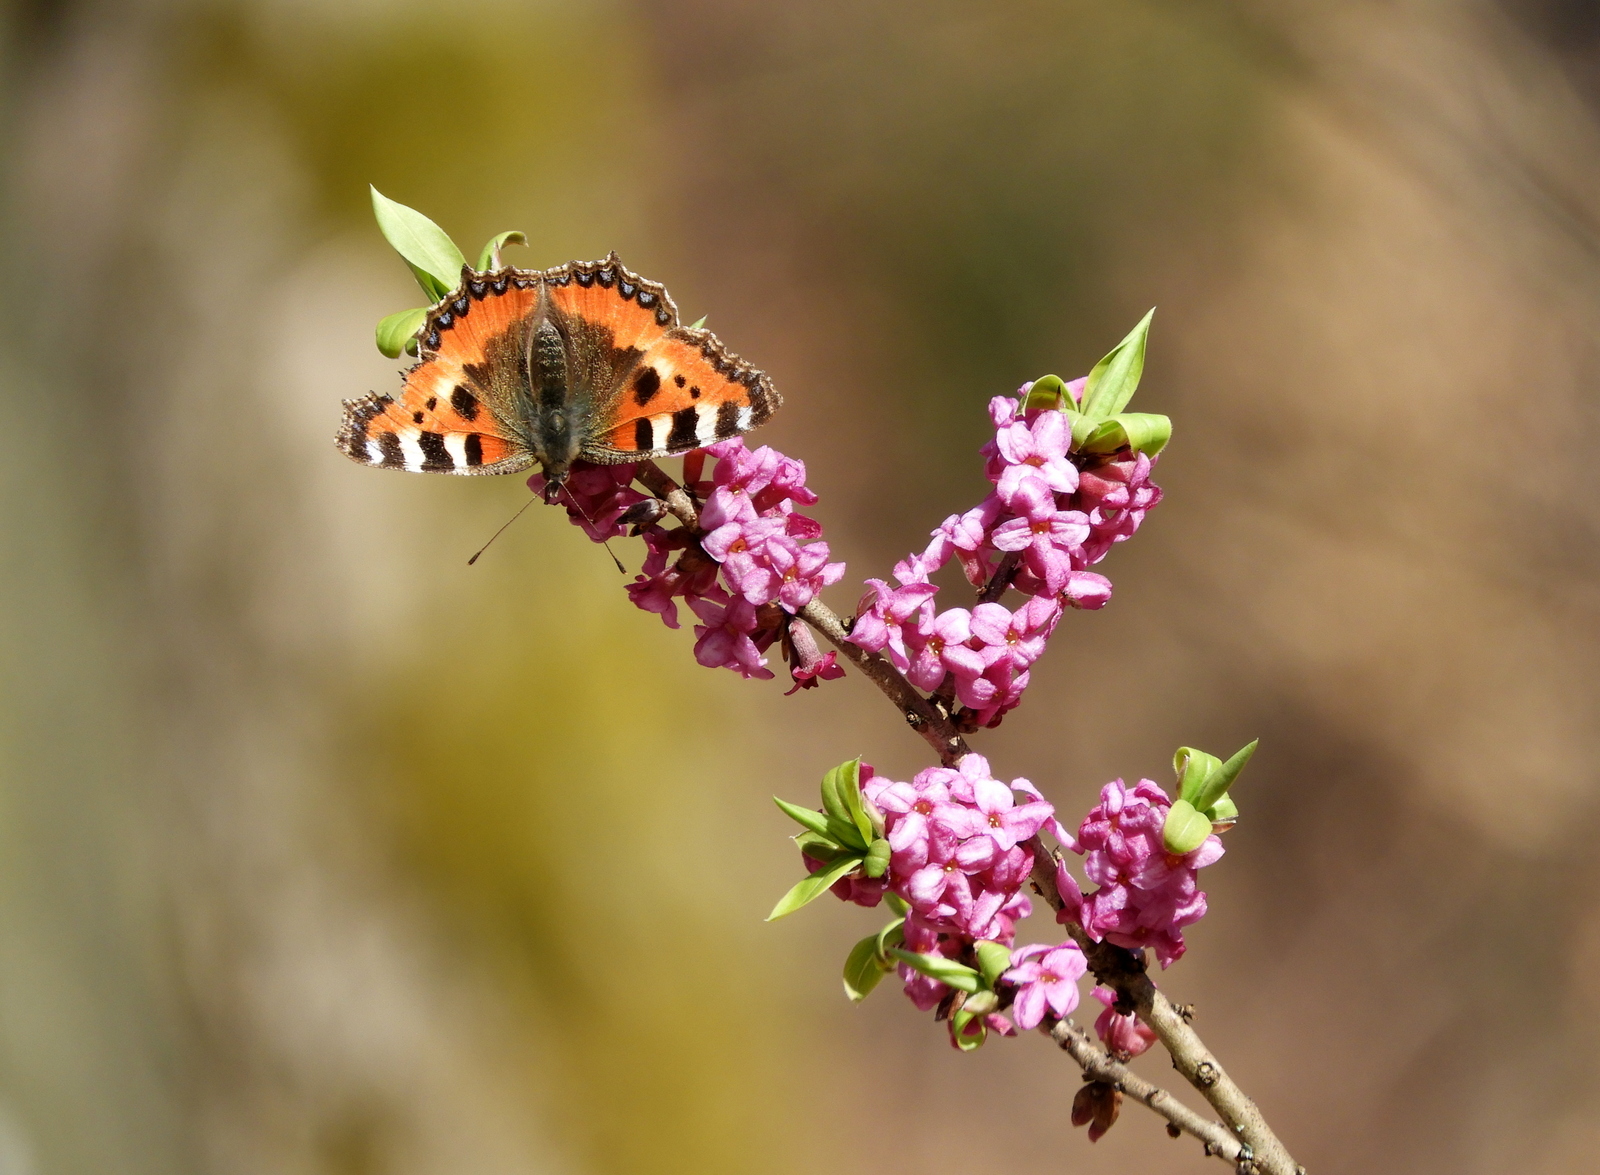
501,531
603,542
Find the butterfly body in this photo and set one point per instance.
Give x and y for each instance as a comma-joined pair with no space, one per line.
586,360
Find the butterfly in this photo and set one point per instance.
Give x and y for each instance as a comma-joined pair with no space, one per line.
584,361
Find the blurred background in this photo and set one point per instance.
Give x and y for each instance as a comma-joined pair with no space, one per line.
322,852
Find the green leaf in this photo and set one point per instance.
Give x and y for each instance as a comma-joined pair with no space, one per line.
490,257
397,330
897,903
876,862
805,817
1143,432
811,888
1114,379
994,959
864,967
698,323
435,261
1185,830
968,1041
1194,768
1082,427
841,796
890,937
981,1003
1222,779
946,971
1048,391
823,848
1224,811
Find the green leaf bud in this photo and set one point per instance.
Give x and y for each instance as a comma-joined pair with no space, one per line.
994,959
490,257
1115,378
398,332
1185,830
876,862
805,817
1048,391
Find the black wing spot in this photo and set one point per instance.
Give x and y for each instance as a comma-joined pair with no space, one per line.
393,456
685,432
433,402
679,380
727,420
662,317
645,386
646,299
416,418
499,286
694,392
464,402
445,320
435,457
474,449
644,435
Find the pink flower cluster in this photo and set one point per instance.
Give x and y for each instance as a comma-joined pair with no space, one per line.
1146,895
958,858
1057,519
757,562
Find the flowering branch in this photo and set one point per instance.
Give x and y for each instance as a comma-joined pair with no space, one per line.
951,850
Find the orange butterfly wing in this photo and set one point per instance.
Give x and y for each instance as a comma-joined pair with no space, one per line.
682,389
450,416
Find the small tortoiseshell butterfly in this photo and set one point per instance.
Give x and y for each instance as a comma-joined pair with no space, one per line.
586,360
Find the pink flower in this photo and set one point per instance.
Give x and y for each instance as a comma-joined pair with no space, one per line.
802,572
1036,449
1126,1036
808,667
1146,896
881,614
1045,977
995,819
1048,538
724,640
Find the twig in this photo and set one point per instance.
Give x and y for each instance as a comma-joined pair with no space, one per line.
1123,971
1098,1065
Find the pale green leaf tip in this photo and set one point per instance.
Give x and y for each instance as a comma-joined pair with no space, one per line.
698,323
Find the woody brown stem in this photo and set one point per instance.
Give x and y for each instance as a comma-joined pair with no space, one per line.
1124,972
1099,1065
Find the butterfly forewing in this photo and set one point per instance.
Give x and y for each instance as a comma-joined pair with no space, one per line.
457,412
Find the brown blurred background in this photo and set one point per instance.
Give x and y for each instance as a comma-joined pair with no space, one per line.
320,852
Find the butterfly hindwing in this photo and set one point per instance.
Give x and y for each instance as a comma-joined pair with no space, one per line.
457,411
